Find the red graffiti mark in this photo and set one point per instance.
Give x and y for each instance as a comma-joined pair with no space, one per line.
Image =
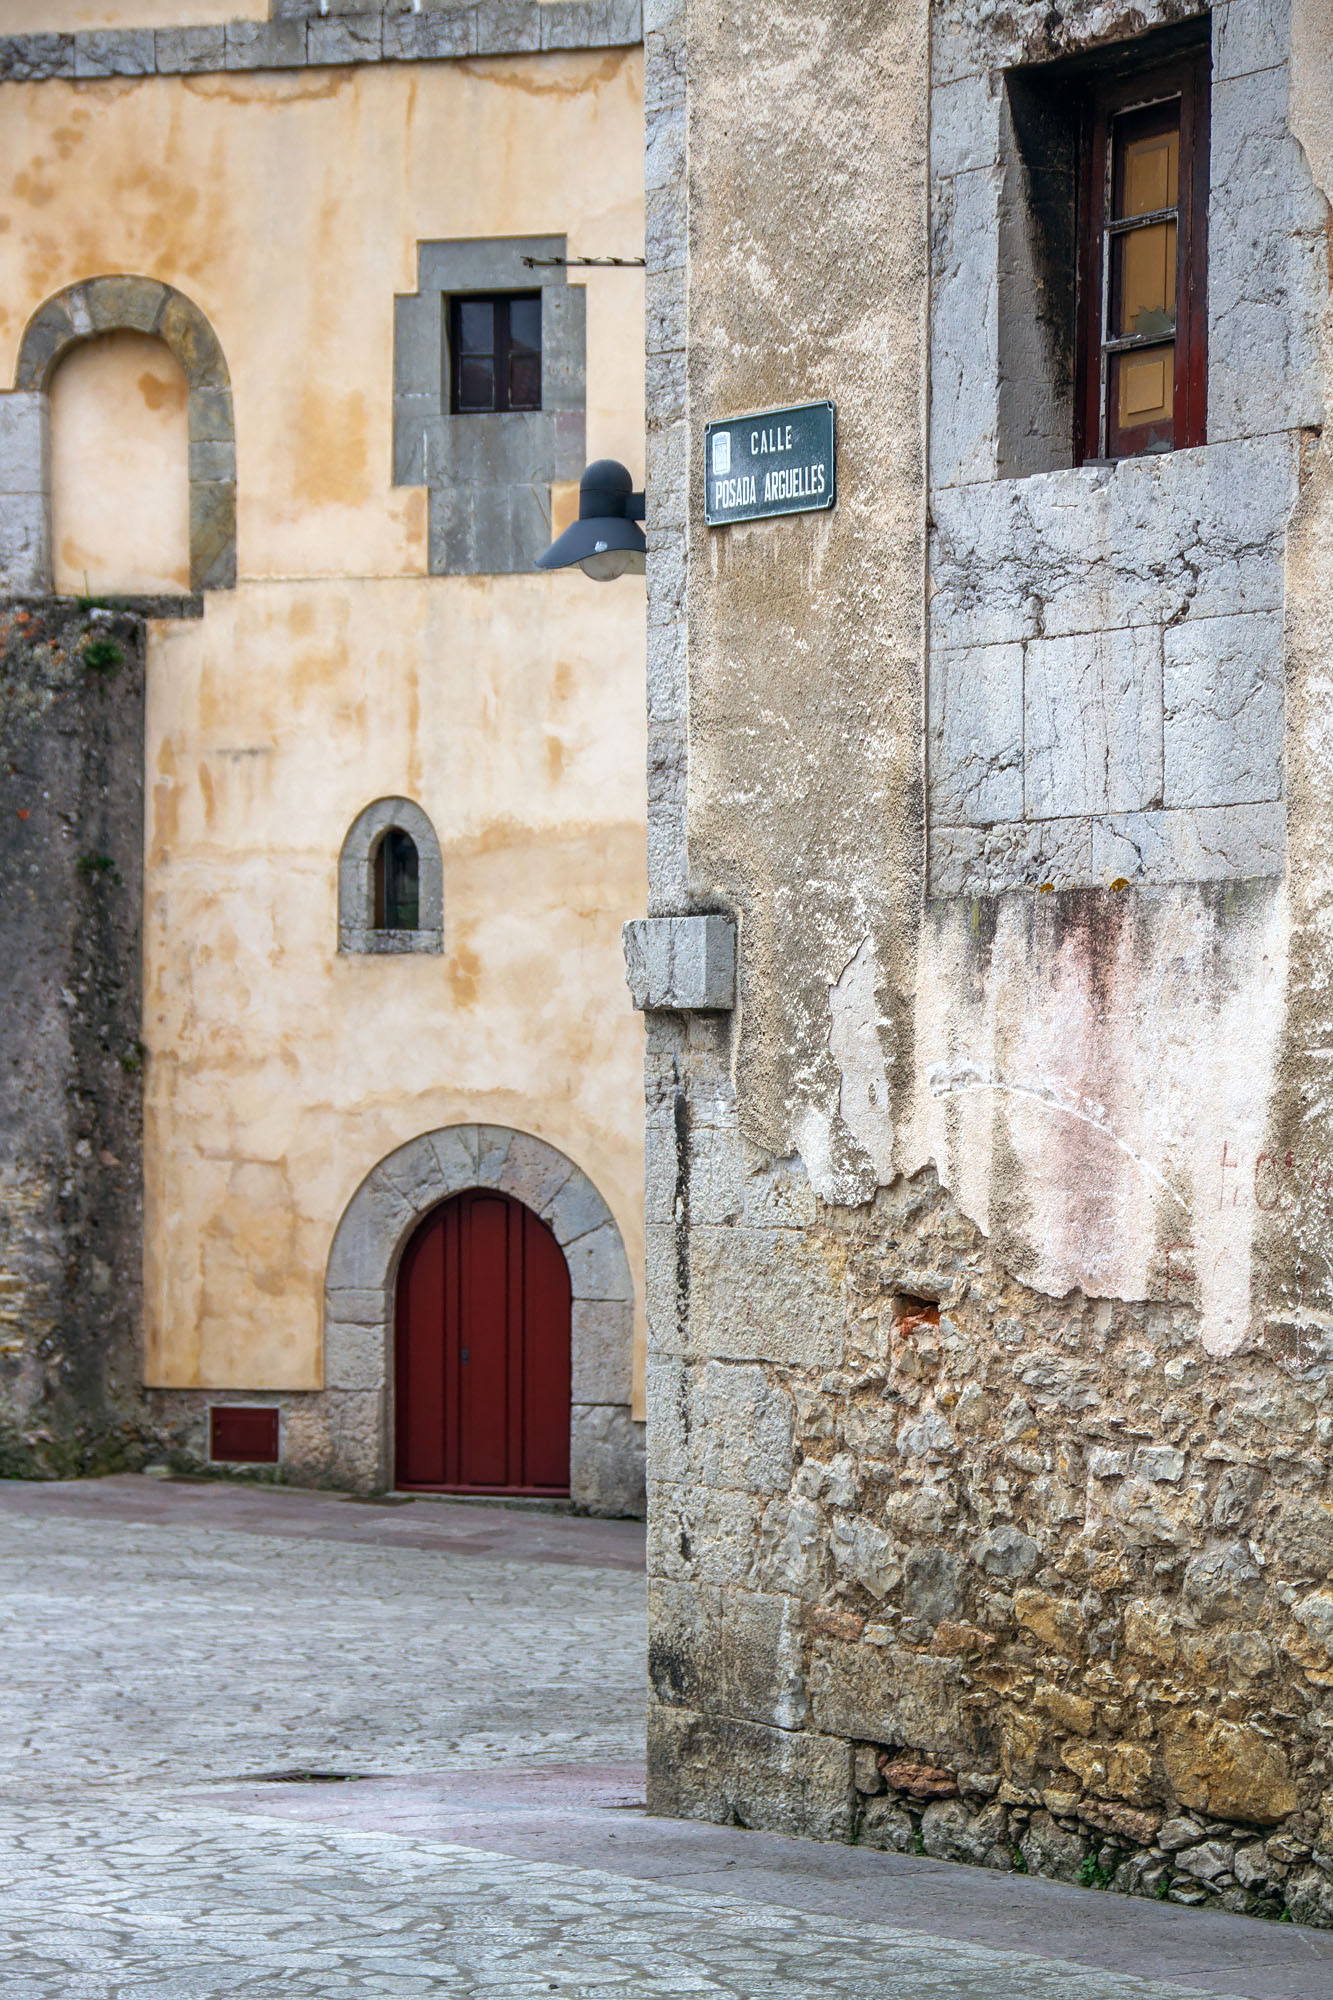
1228,1166
1271,1181
1181,1272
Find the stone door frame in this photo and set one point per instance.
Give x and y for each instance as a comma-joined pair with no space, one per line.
606,1445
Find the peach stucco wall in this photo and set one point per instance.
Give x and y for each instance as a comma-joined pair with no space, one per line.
120,494
289,208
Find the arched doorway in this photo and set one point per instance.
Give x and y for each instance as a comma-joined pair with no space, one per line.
482,1351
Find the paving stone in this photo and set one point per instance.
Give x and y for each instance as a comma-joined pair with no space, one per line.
23,424
976,735
1218,844
581,24
177,1640
507,27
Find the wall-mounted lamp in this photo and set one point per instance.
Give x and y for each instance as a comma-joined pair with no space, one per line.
606,540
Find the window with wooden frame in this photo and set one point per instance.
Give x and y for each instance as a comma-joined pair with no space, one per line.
495,352
1142,359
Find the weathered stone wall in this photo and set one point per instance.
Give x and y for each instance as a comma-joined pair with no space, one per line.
304,34
1117,720
71,1061
989,1240
969,1571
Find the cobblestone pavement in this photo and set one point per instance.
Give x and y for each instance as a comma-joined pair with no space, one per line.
165,1650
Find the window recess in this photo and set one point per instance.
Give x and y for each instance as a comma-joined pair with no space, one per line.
1142,365
495,352
397,882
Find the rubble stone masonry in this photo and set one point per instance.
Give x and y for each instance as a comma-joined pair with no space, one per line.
1021,1582
71,1059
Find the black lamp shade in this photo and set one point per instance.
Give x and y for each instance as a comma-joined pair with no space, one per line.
606,540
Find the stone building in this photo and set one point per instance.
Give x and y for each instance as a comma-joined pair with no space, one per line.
989,1206
298,364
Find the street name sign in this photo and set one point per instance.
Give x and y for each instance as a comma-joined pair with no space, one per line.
778,462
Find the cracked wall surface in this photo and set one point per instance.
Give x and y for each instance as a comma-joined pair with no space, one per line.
990,1238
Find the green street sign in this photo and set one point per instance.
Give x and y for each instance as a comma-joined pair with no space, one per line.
778,462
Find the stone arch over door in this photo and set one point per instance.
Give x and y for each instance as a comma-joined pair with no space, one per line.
81,312
606,1445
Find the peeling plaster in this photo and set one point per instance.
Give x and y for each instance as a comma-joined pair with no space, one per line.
1054,1093
856,1046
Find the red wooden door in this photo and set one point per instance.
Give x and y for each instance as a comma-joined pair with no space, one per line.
482,1351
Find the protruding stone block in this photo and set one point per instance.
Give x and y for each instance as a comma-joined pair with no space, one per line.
684,964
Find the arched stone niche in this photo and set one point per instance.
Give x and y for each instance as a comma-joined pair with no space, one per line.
81,312
356,883
606,1445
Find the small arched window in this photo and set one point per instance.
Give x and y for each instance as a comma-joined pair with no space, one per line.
391,881
397,882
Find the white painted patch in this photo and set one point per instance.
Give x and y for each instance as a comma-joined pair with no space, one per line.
855,1044
1052,1093
1110,1110
814,1145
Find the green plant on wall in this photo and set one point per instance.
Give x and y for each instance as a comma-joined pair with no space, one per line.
103,656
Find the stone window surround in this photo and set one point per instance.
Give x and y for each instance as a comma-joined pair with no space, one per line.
1166,635
488,476
356,882
101,305
605,1442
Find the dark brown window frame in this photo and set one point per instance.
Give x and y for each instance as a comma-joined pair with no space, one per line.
500,351
1188,79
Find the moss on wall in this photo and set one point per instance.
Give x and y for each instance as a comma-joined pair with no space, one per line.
71,1061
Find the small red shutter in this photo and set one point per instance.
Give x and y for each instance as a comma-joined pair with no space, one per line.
239,1436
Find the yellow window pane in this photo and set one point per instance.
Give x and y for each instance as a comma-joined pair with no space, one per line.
1147,279
1146,387
1151,174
